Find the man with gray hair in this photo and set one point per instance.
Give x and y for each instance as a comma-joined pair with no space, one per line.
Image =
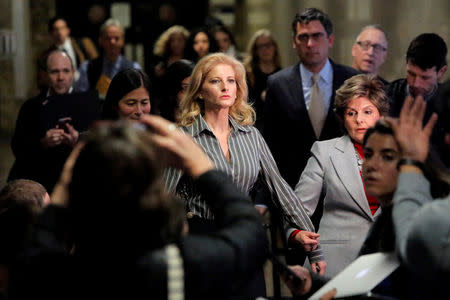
370,50
97,74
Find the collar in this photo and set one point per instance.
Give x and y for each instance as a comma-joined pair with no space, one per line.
428,97
117,62
67,44
326,74
49,93
200,125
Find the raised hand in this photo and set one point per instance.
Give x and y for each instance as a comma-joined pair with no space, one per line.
412,137
179,149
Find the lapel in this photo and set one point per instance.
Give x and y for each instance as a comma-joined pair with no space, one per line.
342,156
294,85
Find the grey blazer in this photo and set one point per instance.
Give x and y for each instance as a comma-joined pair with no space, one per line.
332,173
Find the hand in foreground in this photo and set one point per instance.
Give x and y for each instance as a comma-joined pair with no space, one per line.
303,273
319,267
53,137
308,240
179,149
412,137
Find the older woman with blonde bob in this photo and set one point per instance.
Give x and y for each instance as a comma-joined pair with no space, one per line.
332,176
216,114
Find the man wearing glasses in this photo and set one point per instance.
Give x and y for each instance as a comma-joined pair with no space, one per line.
299,104
370,50
290,126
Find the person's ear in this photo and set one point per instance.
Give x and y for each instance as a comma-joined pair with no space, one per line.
330,40
441,72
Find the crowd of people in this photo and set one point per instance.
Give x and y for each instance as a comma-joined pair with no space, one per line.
158,179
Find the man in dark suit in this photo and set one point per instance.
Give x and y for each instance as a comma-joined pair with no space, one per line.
425,66
97,74
288,127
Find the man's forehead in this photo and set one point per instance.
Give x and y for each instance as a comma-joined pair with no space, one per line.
113,31
58,60
314,25
415,68
60,23
373,35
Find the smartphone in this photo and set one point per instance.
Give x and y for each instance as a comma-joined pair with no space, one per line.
63,121
284,270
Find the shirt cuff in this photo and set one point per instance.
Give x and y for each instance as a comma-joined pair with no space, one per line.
291,239
316,255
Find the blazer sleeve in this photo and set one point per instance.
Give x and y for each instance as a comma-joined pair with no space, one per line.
25,141
284,197
422,226
310,186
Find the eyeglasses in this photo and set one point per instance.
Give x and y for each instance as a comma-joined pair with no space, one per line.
304,38
376,47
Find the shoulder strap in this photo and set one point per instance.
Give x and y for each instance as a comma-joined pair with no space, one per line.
175,273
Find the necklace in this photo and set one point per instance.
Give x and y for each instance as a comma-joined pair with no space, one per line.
359,160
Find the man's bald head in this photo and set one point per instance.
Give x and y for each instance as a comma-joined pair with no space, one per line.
60,71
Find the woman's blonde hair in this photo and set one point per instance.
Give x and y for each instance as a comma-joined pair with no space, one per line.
161,47
252,60
191,106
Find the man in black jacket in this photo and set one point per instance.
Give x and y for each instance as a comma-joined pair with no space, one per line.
40,150
425,66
